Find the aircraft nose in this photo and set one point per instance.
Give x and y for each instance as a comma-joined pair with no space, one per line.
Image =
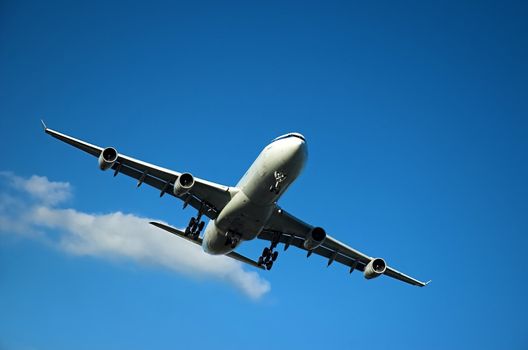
298,148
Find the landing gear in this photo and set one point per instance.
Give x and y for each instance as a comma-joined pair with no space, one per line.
274,256
266,252
268,256
232,239
195,226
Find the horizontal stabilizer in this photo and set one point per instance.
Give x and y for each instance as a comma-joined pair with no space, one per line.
199,240
177,232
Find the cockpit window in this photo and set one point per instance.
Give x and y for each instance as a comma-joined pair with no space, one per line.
292,134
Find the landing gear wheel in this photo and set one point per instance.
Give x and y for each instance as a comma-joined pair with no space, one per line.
190,229
269,255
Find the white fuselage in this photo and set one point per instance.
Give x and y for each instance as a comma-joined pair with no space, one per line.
249,210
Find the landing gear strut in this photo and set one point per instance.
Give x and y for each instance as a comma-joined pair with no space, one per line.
195,226
268,256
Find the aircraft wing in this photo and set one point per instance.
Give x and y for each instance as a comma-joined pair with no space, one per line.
180,233
286,228
208,195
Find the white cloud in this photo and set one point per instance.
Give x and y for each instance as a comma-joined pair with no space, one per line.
114,235
39,187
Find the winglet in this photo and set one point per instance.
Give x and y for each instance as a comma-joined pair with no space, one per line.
426,283
44,125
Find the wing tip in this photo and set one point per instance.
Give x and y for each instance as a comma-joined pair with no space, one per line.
44,125
424,284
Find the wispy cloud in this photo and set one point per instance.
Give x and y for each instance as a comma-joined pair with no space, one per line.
30,206
47,192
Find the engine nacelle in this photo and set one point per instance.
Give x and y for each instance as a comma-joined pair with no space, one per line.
183,184
107,158
315,238
375,268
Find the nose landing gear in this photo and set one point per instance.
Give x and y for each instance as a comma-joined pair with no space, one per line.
232,239
268,256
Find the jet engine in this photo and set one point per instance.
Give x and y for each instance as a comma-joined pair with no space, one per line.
375,268
315,238
107,158
183,184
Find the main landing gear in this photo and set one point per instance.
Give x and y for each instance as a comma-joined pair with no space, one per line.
195,226
268,256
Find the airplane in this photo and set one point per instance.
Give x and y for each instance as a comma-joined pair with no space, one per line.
245,211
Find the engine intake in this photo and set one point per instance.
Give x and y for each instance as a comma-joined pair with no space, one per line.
315,238
107,158
375,268
183,184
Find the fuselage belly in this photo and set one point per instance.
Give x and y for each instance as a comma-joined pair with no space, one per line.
274,170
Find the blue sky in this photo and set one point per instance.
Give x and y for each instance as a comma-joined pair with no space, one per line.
416,120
